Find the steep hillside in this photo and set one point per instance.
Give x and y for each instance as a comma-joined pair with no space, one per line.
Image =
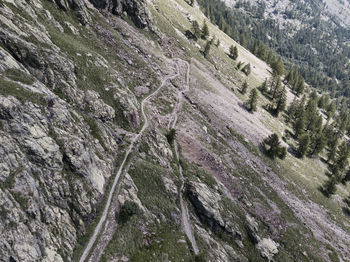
123,140
311,35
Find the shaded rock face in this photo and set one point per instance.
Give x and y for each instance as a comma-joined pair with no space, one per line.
78,6
205,202
136,10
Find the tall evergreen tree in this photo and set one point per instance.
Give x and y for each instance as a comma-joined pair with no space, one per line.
263,88
233,52
304,142
205,30
196,29
281,101
253,100
319,143
330,110
207,49
273,148
299,125
278,67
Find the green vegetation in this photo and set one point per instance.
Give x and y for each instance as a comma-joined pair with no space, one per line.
19,76
244,88
233,52
207,49
273,148
9,88
253,99
129,209
171,135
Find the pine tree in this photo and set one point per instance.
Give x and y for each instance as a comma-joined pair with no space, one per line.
244,88
263,88
319,143
207,49
292,110
281,101
342,157
330,186
196,29
253,99
330,111
278,67
273,148
233,52
332,152
217,42
205,30
300,86
290,78
276,86
299,125
304,142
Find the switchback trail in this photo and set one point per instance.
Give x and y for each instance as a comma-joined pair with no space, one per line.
184,211
116,179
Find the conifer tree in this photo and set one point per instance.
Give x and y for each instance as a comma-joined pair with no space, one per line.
244,87
332,152
273,148
300,86
278,67
292,110
196,29
276,86
319,143
304,142
207,49
263,87
290,77
281,101
253,99
205,30
299,125
233,52
330,186
217,44
330,111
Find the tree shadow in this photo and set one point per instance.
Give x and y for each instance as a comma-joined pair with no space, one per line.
244,106
323,160
323,191
346,211
190,35
291,150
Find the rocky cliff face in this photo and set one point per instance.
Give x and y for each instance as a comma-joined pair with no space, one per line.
59,119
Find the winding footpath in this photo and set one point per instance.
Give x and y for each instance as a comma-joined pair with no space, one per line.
117,177
184,211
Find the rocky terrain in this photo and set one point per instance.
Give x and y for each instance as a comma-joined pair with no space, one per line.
91,170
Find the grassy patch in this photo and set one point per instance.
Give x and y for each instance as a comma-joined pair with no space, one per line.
9,88
19,76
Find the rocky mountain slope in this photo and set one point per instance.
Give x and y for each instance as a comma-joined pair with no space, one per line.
89,94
